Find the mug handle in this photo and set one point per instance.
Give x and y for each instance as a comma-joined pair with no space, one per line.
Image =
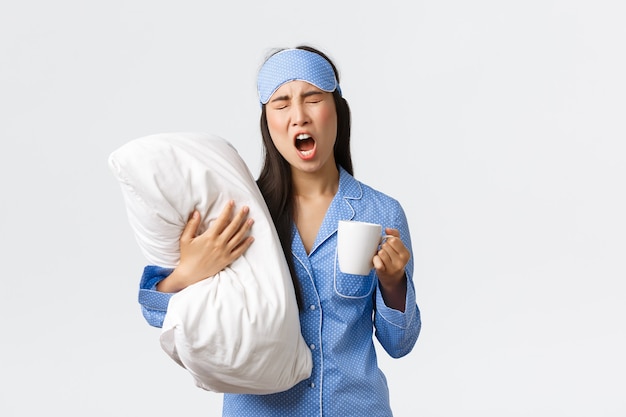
383,238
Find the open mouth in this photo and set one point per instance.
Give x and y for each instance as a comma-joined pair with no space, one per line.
305,144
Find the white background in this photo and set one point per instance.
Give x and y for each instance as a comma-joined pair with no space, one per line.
499,125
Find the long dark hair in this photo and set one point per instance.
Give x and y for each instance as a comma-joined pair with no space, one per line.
275,178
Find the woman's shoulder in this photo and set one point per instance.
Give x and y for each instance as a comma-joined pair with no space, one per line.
365,194
374,193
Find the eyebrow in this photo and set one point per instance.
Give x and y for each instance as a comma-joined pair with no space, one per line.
304,95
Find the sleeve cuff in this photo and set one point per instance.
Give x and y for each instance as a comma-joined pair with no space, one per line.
396,317
153,303
152,275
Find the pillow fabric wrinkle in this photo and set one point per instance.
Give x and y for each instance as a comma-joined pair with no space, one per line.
237,331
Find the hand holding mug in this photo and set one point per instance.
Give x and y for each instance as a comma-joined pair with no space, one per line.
390,261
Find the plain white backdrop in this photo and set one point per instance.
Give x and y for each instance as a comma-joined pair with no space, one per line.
498,125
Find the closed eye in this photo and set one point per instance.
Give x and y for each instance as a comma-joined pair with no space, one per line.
313,96
279,104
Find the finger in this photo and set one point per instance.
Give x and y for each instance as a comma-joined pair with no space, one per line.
392,246
242,247
390,235
189,232
222,221
236,224
378,264
393,241
241,233
392,232
385,257
394,256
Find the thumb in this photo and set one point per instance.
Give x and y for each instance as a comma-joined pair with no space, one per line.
189,232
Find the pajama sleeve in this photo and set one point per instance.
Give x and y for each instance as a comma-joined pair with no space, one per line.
398,331
153,303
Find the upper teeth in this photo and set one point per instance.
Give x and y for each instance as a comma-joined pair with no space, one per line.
303,136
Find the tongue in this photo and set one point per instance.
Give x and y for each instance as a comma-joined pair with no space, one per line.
305,144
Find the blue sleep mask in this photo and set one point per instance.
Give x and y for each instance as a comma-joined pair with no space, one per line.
295,64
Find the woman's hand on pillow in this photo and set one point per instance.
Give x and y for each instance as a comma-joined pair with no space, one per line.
203,256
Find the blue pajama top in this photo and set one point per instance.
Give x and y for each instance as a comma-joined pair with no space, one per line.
341,314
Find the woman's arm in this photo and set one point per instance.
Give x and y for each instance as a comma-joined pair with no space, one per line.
397,318
201,257
397,331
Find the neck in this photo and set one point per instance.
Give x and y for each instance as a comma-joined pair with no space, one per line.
322,182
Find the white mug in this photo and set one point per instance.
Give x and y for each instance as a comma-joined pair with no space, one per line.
357,243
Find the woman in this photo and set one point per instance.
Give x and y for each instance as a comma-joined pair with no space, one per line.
307,183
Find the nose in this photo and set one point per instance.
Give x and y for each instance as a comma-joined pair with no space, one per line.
299,115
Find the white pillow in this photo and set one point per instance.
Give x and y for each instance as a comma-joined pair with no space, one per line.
238,331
